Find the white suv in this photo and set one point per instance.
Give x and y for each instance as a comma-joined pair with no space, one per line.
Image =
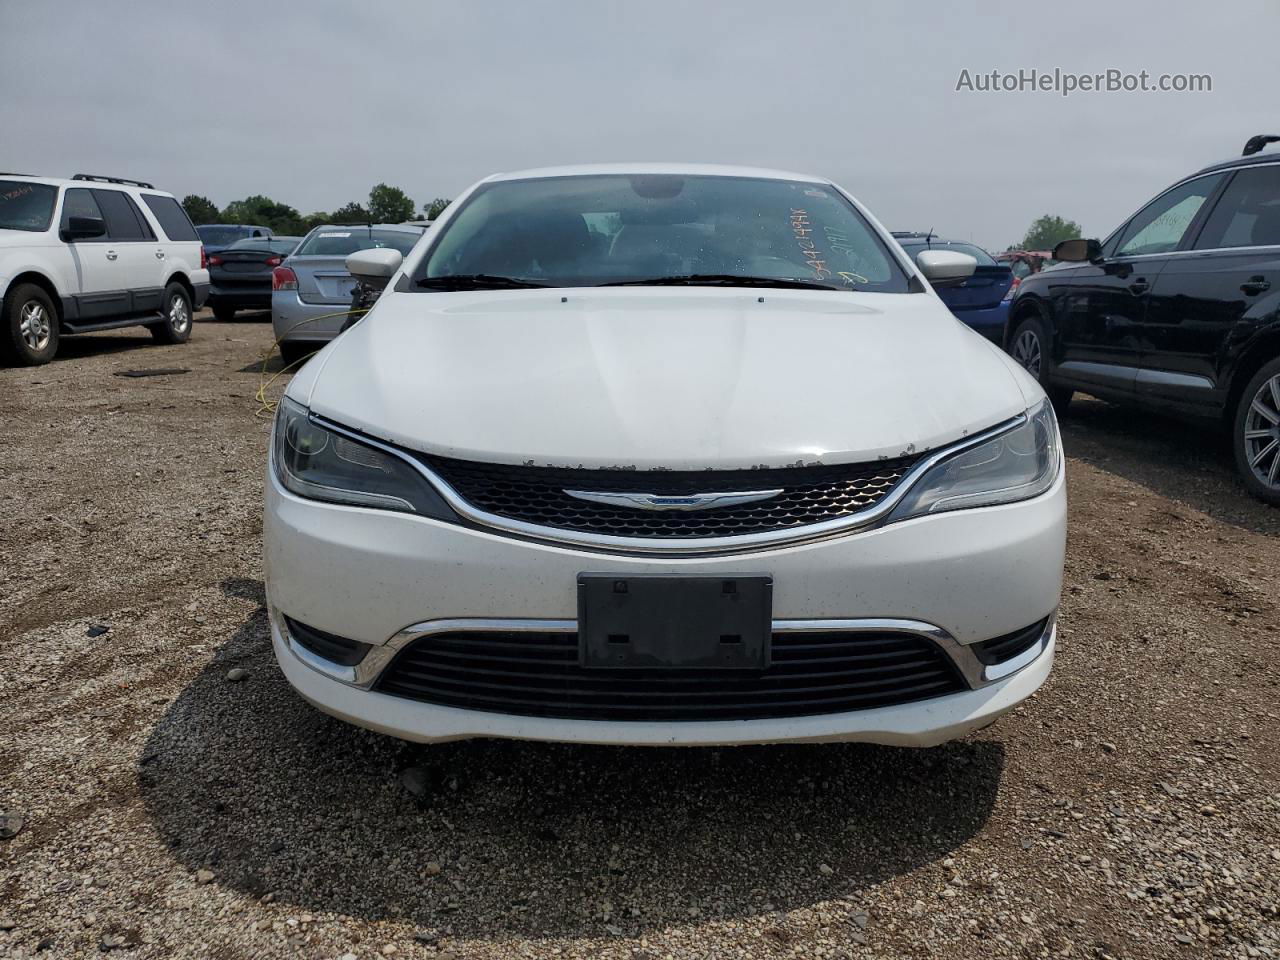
93,253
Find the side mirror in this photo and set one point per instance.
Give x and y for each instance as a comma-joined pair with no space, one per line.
374,267
83,228
946,268
1078,251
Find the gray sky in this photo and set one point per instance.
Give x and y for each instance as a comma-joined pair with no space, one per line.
312,103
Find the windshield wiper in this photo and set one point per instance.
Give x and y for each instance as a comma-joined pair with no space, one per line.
477,281
722,280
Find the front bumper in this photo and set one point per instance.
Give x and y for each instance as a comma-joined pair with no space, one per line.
372,575
923,723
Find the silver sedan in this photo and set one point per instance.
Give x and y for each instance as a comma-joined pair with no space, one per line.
311,290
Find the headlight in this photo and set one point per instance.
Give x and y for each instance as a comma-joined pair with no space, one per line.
320,464
1018,464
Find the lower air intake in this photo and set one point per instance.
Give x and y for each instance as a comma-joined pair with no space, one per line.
538,675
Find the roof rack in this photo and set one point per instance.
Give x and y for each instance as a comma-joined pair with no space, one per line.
122,180
1255,144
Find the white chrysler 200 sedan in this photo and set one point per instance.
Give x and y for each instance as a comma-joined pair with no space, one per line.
660,454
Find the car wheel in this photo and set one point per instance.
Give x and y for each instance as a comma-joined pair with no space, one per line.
30,335
223,312
176,325
1255,436
1029,347
295,353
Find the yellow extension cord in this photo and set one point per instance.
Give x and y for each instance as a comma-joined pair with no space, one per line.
267,406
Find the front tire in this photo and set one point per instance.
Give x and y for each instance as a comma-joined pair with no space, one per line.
1030,348
1255,434
29,334
176,325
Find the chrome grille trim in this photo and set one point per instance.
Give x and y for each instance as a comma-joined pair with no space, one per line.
693,546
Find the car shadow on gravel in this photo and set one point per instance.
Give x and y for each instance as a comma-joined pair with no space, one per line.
1179,460
94,345
495,838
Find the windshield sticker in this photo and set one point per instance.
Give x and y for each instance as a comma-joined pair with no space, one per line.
17,192
323,235
816,193
801,228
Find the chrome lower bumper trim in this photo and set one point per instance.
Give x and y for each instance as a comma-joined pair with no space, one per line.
365,674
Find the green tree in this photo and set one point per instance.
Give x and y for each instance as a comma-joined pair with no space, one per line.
1048,231
264,211
433,209
313,220
389,204
200,209
351,213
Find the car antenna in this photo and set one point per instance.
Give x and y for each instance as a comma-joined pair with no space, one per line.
1255,144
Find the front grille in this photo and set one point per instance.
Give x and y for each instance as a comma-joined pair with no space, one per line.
538,675
537,495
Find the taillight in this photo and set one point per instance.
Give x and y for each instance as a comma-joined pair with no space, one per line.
204,258
1013,288
283,278
274,261
213,261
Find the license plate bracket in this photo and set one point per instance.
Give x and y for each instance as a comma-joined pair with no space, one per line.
657,621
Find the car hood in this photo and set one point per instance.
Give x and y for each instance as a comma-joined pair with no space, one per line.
662,378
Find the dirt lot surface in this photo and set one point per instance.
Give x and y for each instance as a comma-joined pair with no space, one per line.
1130,809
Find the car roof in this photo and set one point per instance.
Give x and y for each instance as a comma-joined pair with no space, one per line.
238,226
88,184
904,237
402,227
679,169
1266,156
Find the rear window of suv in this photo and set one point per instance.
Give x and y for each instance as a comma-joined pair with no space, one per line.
173,219
26,206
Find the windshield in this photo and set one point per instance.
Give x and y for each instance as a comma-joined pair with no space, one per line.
617,228
220,235
340,241
26,206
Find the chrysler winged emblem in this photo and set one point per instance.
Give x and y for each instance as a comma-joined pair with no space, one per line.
693,501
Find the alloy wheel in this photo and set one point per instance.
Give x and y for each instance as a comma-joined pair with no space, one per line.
34,324
1026,350
179,314
1262,433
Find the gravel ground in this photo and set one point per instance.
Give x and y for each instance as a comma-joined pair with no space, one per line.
1130,809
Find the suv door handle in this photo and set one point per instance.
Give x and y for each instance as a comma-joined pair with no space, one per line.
1255,285
1139,286
111,255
